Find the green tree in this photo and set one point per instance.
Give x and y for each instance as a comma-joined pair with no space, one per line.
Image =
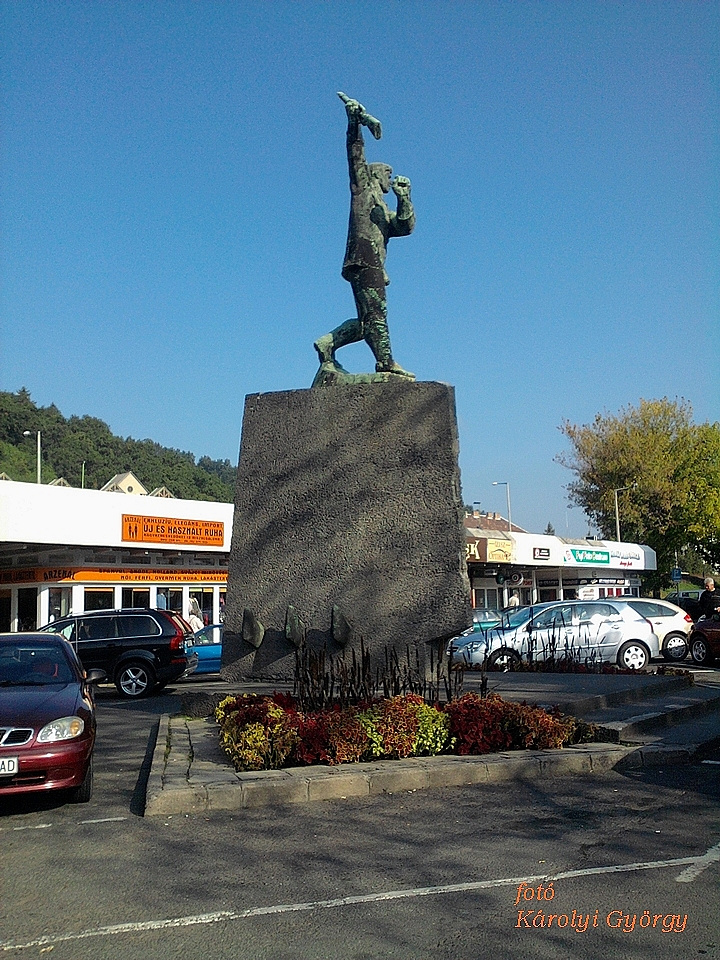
549,530
67,444
671,468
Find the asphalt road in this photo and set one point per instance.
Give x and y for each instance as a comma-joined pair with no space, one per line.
431,874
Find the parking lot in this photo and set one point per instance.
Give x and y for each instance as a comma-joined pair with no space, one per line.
433,873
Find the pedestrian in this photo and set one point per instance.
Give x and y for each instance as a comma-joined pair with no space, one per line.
194,617
709,600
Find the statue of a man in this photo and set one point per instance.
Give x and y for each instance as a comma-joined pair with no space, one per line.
372,224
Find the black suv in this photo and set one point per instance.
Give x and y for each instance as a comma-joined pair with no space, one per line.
139,650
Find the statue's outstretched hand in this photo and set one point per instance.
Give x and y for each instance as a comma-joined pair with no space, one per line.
401,187
357,112
354,108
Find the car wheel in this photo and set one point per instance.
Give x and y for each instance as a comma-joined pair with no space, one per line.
503,660
83,793
699,649
134,679
634,655
675,646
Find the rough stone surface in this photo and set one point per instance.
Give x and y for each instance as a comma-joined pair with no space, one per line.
346,496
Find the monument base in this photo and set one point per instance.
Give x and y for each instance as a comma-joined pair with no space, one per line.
347,525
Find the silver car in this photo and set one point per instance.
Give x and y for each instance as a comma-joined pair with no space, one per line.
587,631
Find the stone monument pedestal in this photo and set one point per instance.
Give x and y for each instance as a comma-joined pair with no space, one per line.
348,525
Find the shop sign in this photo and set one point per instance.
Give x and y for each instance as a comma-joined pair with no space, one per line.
18,576
541,553
110,575
499,551
197,533
475,550
576,555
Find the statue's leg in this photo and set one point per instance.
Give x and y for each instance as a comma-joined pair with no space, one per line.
348,332
369,290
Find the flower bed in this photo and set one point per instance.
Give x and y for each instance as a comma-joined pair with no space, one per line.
267,733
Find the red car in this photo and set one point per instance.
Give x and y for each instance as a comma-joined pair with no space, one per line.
47,717
705,640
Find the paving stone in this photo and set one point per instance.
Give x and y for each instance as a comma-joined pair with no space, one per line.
397,780
269,792
338,787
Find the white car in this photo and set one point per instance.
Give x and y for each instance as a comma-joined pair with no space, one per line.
587,631
671,625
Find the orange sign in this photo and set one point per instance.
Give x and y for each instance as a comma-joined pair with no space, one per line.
112,575
198,533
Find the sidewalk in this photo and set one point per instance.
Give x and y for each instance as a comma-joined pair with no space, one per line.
190,774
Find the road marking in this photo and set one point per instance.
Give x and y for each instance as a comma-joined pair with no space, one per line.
105,820
78,823
702,863
715,762
225,916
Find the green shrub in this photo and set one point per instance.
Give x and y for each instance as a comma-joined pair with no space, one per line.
266,733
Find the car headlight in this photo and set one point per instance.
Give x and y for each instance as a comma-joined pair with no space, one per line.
475,646
67,728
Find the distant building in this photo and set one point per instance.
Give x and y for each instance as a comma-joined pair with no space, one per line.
64,549
125,483
535,567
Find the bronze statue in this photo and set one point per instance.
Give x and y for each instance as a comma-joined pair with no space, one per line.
372,224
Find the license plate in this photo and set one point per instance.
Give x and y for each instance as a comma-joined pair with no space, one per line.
8,766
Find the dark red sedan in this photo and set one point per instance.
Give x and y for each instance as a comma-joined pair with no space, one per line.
47,717
705,640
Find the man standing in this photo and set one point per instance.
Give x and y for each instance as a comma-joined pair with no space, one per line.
709,599
372,224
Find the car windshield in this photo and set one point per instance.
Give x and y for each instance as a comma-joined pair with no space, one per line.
516,617
28,664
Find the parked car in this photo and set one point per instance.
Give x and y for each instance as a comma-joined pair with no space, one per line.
671,625
47,717
578,629
140,650
705,640
687,600
207,644
484,617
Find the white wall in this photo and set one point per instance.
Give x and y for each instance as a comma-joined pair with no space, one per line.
37,513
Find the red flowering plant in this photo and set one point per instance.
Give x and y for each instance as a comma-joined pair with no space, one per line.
482,725
260,733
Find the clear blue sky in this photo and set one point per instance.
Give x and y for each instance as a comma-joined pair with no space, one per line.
174,207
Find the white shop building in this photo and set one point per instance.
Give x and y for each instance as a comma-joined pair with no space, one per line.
538,567
63,549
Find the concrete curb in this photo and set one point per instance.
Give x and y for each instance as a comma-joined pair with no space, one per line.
190,775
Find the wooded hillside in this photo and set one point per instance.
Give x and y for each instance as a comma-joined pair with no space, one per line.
67,443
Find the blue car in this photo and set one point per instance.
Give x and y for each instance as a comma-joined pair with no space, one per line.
207,644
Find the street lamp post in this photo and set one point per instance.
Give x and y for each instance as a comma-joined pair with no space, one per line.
616,491
506,484
28,433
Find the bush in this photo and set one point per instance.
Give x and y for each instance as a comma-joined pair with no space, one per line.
256,732
266,733
485,724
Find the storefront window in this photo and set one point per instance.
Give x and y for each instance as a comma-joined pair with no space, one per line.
5,599
133,597
60,599
99,599
27,608
204,597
